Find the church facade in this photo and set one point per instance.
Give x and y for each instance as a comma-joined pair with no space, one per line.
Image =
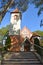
21,40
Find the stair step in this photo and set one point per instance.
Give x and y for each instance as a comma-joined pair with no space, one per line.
21,64
20,61
25,58
23,55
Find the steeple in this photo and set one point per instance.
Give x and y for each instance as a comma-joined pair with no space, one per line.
16,11
15,21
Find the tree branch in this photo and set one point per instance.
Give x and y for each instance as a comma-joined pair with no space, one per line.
6,8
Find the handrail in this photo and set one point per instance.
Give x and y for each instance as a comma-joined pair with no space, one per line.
39,52
38,46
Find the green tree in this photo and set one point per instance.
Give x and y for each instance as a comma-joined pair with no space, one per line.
4,30
8,43
37,42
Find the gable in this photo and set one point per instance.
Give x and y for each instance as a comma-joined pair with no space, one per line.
26,33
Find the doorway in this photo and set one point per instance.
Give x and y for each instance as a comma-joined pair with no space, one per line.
27,45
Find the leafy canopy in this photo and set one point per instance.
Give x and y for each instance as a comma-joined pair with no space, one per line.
5,5
38,4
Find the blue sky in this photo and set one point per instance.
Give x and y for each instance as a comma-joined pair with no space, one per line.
30,19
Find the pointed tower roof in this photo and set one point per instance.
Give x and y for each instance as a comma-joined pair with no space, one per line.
25,32
16,11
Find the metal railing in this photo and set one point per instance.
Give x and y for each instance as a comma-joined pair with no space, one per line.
38,48
39,52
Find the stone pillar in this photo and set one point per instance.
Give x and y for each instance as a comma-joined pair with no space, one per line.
22,48
32,45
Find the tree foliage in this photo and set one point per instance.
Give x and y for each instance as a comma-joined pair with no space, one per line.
4,30
8,43
39,32
38,4
5,5
37,42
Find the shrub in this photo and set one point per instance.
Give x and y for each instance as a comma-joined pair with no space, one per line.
8,43
37,42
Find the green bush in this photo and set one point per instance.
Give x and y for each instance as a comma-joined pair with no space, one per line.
37,42
8,43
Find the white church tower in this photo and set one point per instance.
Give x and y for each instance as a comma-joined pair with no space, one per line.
15,22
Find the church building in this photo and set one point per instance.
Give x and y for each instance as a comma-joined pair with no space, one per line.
21,40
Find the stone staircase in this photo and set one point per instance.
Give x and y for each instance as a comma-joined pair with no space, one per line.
22,58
